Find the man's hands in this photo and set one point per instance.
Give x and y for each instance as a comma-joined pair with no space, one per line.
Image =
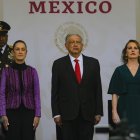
58,120
97,119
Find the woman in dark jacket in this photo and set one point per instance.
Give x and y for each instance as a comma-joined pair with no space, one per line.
20,97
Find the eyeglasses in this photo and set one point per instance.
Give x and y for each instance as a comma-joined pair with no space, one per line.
75,43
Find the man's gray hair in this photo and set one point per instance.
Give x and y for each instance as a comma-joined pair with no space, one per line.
69,35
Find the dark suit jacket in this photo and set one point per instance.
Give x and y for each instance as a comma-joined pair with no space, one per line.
68,97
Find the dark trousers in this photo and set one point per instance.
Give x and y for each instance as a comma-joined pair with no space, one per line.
77,129
20,124
59,133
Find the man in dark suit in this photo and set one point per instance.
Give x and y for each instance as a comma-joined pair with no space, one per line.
5,49
76,92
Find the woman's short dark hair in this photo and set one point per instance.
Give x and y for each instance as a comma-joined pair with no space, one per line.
19,41
124,57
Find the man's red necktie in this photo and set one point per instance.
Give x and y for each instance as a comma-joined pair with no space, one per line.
77,71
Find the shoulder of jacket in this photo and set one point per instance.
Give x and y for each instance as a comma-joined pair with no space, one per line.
33,69
90,58
61,59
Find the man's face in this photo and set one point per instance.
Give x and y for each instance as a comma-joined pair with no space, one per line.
74,45
3,39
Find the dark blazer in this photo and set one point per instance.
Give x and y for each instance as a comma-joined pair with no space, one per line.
68,97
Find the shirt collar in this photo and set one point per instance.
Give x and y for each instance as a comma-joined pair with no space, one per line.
80,58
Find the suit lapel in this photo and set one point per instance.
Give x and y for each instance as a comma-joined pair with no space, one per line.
85,68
